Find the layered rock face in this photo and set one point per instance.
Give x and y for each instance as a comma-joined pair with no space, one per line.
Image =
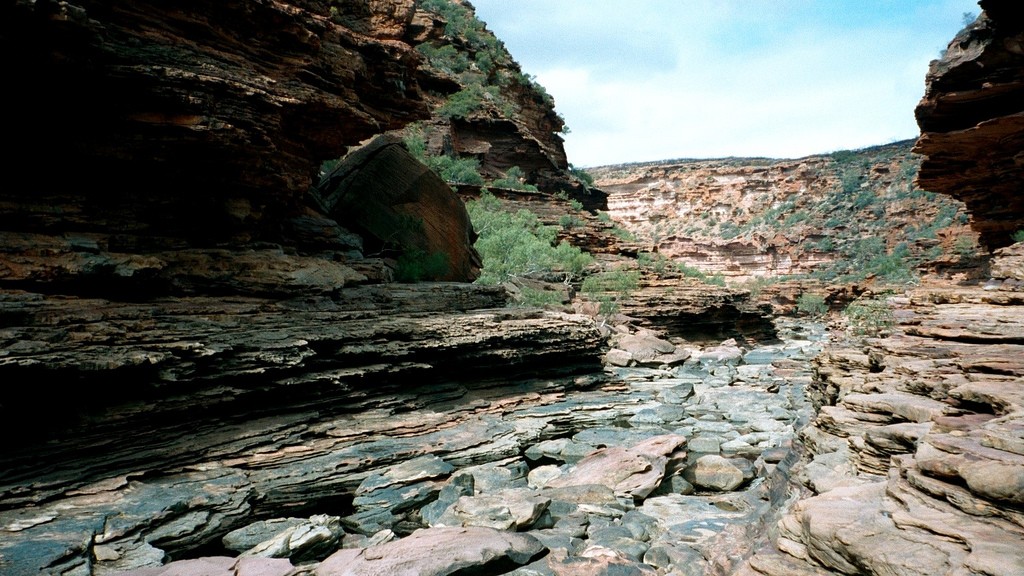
198,307
747,218
915,456
972,122
205,122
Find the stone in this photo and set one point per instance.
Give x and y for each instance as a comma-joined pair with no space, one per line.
964,123
383,190
511,509
437,552
714,472
311,539
634,471
245,538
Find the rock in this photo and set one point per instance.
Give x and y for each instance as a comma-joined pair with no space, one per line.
402,205
971,123
437,552
634,471
616,357
462,484
714,472
511,509
245,538
218,566
312,539
541,476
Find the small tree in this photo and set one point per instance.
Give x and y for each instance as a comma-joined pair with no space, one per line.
811,305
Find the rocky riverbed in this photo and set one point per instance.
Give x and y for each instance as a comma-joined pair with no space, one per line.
675,462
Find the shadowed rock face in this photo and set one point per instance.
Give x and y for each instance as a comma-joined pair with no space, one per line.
396,202
972,122
214,113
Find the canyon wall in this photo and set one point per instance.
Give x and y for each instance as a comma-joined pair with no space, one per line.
178,292
972,118
747,218
915,459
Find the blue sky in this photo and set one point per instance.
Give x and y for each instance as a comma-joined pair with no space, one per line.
661,79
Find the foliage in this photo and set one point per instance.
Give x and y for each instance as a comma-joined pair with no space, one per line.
870,316
415,265
514,179
1018,236
965,247
457,170
471,99
691,272
582,175
811,304
610,286
618,280
655,262
866,257
516,245
795,218
622,234
530,296
569,221
446,58
606,218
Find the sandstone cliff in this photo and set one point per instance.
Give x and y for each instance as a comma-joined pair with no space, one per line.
170,273
914,459
825,216
972,119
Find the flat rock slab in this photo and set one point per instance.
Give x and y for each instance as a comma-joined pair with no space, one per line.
636,471
438,552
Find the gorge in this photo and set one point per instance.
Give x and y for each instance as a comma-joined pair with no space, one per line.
241,334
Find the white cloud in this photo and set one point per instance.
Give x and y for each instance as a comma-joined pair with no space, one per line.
656,79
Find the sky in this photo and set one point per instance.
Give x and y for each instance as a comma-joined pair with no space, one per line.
650,80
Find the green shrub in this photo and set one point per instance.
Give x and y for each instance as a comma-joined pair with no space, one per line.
537,297
514,179
569,221
870,317
416,265
691,272
811,304
623,234
516,245
445,58
582,175
612,281
1018,236
457,170
795,218
965,247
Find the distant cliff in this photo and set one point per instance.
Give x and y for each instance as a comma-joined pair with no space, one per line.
828,215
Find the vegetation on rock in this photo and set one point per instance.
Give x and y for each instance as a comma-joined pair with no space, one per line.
515,246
